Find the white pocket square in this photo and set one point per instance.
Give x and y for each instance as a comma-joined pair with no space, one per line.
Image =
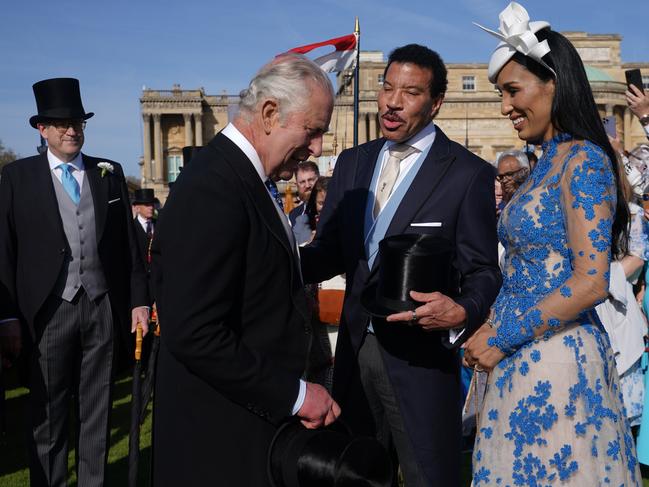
114,201
426,224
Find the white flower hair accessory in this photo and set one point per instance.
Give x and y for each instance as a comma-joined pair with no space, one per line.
517,34
105,167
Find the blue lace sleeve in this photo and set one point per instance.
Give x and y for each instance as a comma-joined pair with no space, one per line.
587,201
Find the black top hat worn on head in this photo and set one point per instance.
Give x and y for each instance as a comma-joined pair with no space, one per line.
409,262
143,196
326,457
189,152
58,99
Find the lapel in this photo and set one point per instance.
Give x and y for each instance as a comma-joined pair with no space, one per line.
365,162
99,190
430,175
266,208
264,205
50,217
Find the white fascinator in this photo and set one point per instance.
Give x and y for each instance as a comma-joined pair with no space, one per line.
517,34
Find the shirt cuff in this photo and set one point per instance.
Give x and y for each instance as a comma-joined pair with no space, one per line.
454,334
300,398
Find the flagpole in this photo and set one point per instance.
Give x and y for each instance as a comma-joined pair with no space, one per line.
357,32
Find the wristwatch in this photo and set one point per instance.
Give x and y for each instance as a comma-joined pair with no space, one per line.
644,120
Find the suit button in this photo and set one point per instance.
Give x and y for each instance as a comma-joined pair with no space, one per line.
78,213
80,227
61,251
80,271
81,242
82,257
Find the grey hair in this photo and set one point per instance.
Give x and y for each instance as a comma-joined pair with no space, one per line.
520,156
284,79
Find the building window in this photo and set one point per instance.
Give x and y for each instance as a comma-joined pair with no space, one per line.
379,79
645,81
173,167
468,83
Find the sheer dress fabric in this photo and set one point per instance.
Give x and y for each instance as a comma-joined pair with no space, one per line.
553,411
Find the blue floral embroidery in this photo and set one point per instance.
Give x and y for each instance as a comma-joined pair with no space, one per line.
561,462
559,219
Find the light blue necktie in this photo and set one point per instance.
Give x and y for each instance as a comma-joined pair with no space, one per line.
70,184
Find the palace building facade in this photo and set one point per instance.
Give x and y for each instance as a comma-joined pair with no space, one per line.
470,114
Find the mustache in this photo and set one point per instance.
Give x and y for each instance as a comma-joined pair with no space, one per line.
392,116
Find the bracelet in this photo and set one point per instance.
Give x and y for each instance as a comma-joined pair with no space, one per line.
644,120
490,322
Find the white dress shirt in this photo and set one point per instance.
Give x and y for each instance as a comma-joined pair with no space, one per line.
238,139
420,141
77,167
143,221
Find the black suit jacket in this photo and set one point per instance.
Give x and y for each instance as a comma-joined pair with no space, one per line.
33,244
234,324
453,187
143,249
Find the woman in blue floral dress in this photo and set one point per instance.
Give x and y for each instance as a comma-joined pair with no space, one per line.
553,412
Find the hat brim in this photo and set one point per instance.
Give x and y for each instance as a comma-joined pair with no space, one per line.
378,309
504,52
143,202
295,426
36,119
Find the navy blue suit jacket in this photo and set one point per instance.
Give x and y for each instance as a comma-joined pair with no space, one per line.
456,188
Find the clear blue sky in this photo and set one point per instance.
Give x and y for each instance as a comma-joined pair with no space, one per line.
115,47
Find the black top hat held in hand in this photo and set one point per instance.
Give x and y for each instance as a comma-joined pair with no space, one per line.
326,457
409,262
58,99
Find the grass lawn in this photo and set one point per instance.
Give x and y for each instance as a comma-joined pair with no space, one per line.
13,463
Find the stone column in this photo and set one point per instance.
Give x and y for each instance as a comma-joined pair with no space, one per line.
157,143
146,118
189,133
198,120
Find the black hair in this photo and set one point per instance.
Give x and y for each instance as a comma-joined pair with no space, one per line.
311,210
424,58
574,111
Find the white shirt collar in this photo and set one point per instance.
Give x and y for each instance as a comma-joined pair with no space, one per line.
142,220
54,161
421,140
232,133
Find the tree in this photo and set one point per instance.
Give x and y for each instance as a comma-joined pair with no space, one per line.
6,155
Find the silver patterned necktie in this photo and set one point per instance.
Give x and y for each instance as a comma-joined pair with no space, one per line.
390,173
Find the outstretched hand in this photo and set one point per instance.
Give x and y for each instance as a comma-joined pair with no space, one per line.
439,312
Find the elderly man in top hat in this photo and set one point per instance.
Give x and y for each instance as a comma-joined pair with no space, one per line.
144,208
72,273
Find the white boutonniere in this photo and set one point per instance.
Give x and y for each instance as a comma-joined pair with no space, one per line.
105,167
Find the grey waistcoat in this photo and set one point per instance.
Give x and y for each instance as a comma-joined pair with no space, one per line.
81,267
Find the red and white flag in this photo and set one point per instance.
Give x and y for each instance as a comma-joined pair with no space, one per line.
339,60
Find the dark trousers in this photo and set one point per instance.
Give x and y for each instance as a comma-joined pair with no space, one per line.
385,410
72,359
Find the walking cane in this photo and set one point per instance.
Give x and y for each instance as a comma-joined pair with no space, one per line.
134,435
149,377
